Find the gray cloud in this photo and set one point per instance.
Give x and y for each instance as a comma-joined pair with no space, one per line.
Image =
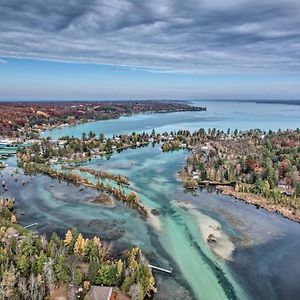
204,36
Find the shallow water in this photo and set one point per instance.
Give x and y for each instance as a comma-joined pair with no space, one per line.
259,257
264,242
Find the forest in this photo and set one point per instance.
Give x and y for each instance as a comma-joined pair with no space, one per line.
34,267
26,119
262,163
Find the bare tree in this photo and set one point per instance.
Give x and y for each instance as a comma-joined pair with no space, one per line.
49,273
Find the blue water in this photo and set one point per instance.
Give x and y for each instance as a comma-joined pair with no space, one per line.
259,257
220,114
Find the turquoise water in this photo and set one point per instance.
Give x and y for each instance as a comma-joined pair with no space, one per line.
264,242
258,256
220,114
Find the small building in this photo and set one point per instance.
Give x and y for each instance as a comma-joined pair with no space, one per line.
100,293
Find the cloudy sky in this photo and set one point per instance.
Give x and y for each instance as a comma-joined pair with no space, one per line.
123,49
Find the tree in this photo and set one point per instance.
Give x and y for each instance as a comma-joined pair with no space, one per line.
78,277
107,274
97,241
91,135
265,186
153,133
13,219
94,267
80,246
259,185
68,238
9,278
40,262
132,197
190,183
93,248
49,273
101,137
60,269
22,288
119,268
26,247
270,175
297,190
33,286
22,264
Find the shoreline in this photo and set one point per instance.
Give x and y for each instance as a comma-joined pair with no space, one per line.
227,189
82,122
78,180
259,202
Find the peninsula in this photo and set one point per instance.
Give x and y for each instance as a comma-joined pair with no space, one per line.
28,119
261,168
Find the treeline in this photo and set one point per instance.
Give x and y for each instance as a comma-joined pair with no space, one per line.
263,163
70,149
119,179
273,195
23,119
89,145
32,267
131,199
188,140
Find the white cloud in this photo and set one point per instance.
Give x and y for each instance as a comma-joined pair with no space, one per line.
236,36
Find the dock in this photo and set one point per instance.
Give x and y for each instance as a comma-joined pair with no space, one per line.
160,269
31,225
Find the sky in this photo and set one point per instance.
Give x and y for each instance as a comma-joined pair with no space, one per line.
159,49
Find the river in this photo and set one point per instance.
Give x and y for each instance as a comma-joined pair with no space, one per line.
257,255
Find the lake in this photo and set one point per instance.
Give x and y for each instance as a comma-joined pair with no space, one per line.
258,256
220,114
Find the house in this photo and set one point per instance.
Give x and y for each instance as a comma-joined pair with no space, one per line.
100,293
